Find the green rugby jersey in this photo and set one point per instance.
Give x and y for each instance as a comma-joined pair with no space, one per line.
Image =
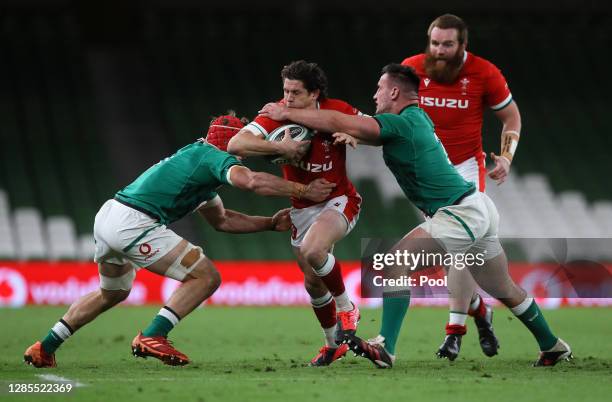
417,159
177,185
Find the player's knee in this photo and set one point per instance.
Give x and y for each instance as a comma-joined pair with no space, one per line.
190,263
113,297
122,283
206,273
213,279
315,255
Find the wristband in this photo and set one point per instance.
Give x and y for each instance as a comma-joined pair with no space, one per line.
299,190
509,142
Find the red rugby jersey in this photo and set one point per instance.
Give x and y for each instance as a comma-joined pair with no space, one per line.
457,109
323,160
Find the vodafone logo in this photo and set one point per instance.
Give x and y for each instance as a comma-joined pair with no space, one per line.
13,288
144,249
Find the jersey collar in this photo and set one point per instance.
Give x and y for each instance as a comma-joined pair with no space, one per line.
406,107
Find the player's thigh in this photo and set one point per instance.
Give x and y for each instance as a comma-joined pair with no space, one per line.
328,228
417,242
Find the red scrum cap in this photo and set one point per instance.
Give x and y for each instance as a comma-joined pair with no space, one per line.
222,129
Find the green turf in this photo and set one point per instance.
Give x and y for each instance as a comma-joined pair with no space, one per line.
259,354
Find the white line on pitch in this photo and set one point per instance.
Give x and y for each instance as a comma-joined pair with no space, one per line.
57,378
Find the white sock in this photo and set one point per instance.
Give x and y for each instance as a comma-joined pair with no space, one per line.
170,315
321,301
327,267
457,319
343,303
475,303
330,337
61,330
522,307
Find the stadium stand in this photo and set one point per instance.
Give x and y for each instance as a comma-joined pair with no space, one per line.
54,156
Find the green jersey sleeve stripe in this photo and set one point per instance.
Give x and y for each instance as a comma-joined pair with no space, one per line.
467,229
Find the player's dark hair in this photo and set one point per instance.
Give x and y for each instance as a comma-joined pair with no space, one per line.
311,75
450,21
404,76
227,115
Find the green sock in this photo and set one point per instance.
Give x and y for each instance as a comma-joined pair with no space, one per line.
51,342
394,310
56,336
534,320
163,323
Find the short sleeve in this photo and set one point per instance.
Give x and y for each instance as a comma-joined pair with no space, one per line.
497,94
262,125
219,163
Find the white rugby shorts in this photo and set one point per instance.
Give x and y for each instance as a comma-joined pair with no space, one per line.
303,218
470,226
473,170
123,235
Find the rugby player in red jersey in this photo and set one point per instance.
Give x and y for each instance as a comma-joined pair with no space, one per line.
316,227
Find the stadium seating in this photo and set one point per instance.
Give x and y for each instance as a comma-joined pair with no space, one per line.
54,159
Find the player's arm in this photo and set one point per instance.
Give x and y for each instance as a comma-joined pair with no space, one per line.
510,118
230,221
359,126
245,143
269,185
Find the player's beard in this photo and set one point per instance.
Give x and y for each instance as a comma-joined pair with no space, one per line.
444,73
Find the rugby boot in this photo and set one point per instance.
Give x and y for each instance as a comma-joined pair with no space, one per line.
376,352
36,356
327,355
158,347
561,351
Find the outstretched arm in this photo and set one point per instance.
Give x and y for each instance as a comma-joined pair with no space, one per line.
270,185
227,220
362,127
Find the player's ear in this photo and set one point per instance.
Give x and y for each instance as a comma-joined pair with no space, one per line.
315,94
395,92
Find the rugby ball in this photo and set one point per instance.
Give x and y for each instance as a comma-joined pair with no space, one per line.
297,132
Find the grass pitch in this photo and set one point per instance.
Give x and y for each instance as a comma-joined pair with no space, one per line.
260,354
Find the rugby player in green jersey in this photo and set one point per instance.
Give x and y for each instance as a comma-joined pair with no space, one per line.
460,219
130,231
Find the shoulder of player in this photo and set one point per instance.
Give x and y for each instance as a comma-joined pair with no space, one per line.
414,61
417,62
480,65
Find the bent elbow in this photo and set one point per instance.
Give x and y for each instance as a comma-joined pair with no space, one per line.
235,147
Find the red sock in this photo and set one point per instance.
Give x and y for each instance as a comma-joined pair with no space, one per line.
455,329
326,314
332,278
479,311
